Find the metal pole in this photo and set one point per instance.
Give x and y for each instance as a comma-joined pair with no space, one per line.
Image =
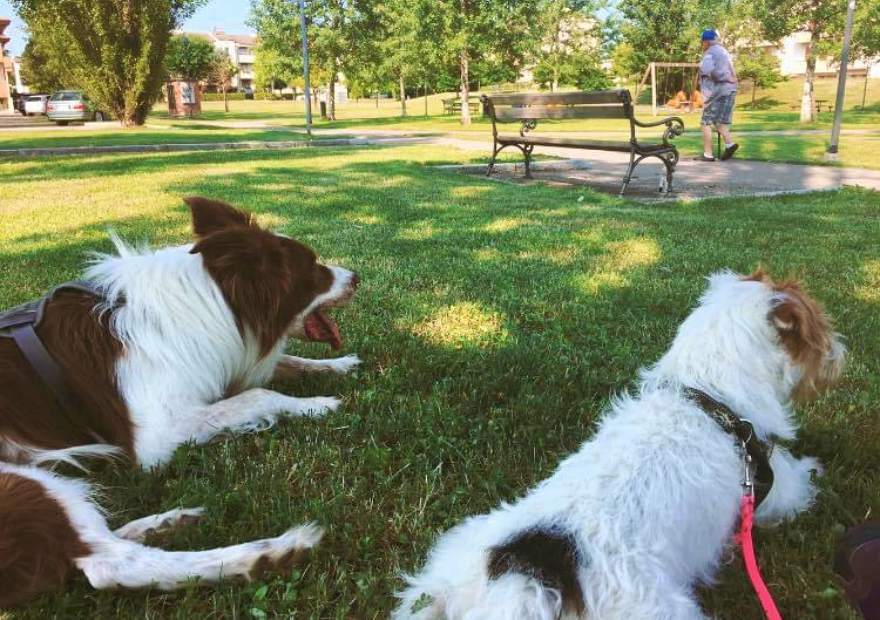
841,81
305,45
653,89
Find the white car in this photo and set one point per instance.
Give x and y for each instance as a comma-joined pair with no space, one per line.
36,104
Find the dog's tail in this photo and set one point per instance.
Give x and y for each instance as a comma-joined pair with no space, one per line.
71,455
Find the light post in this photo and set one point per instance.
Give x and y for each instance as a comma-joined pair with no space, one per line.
305,46
831,153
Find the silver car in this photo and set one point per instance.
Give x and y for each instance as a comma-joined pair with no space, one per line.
72,105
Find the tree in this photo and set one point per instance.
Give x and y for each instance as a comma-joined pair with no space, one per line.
492,38
42,71
272,67
190,58
658,30
220,73
113,49
758,66
819,19
866,37
569,49
279,52
337,28
407,46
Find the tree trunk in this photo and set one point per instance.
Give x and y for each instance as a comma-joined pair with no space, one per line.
426,99
402,95
331,94
865,88
463,62
754,91
807,101
225,101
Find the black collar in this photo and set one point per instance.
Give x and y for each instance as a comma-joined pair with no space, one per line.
734,425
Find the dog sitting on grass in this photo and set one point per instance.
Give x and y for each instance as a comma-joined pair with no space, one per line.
628,525
154,349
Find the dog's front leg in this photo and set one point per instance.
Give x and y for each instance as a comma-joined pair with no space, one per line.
254,409
792,491
290,366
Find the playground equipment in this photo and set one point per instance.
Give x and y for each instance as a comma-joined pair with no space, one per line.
688,75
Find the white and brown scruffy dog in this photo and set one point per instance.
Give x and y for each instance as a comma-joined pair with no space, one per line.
629,524
159,348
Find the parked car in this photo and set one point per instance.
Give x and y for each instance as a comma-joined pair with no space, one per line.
35,104
72,105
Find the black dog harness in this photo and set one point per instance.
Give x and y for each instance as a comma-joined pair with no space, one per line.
19,322
757,451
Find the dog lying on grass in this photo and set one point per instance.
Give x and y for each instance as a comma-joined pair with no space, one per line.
642,512
154,349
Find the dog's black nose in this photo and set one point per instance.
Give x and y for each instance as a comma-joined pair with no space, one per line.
355,280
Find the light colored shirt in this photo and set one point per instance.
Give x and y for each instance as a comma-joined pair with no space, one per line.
717,75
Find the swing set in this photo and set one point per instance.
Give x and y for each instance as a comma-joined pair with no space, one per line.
687,98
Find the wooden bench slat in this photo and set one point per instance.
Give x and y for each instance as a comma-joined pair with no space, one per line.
538,112
595,97
580,143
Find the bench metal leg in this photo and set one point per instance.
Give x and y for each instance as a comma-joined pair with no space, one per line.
629,170
495,151
527,151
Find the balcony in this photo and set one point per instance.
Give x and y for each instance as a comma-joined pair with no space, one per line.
247,59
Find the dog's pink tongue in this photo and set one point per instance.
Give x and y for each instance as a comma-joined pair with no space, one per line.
321,328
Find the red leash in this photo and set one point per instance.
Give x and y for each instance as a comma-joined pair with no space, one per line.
748,550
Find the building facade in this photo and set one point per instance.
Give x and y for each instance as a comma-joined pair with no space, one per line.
792,55
6,69
241,50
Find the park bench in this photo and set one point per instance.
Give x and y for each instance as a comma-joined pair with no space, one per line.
529,108
452,105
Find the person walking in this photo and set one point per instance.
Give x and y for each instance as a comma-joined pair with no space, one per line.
718,85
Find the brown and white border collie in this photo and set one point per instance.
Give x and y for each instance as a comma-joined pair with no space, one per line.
174,350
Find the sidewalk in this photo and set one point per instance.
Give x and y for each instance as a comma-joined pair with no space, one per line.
693,179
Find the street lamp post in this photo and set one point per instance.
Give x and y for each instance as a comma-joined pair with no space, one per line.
831,153
305,46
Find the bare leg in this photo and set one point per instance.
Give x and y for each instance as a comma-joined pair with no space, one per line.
724,130
707,139
290,366
138,529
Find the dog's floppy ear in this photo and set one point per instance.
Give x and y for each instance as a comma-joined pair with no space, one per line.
210,216
802,324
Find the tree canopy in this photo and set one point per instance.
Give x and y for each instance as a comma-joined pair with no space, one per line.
113,49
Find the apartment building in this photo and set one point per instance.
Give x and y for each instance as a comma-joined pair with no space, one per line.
6,68
240,48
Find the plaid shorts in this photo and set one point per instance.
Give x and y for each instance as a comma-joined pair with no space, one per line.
718,110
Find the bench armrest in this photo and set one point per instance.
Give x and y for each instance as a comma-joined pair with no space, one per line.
674,126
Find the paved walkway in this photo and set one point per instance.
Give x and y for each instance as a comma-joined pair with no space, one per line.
693,179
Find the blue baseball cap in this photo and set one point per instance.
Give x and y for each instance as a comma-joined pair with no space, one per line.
708,35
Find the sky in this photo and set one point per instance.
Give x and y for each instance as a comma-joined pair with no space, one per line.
228,15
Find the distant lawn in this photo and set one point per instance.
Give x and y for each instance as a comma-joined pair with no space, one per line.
494,321
114,135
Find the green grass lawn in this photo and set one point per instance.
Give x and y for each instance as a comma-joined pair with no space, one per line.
494,322
112,135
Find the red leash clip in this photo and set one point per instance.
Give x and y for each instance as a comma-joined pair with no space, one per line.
747,518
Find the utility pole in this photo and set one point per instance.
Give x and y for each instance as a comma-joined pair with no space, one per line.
831,153
305,42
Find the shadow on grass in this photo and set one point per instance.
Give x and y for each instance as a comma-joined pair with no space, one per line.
494,321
